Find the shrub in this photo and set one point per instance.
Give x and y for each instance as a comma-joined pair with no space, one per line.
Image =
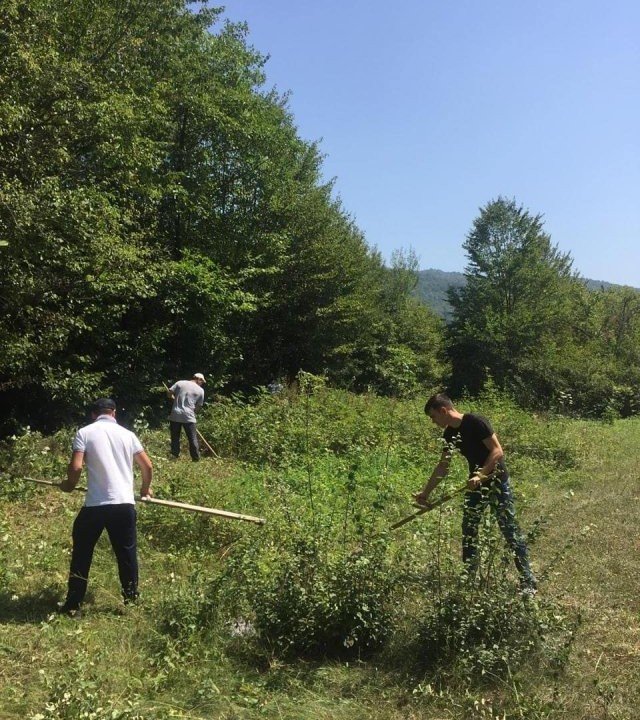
72,701
491,631
314,601
483,630
190,608
80,694
32,455
281,429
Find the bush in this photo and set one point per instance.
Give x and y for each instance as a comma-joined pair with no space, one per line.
309,600
81,694
482,631
491,631
32,455
72,701
280,430
190,608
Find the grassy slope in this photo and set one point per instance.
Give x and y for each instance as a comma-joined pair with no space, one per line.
597,573
587,555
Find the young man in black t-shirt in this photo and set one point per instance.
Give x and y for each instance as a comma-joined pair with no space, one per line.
474,437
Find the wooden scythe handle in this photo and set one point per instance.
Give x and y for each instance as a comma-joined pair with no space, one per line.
172,503
426,508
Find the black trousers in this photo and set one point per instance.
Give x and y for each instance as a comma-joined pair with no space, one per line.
192,437
120,523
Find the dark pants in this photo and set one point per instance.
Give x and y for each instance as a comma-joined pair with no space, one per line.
497,494
120,523
192,436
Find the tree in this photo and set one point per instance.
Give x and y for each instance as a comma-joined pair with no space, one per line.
85,124
605,374
513,316
159,211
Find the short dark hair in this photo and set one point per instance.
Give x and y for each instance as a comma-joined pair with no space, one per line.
437,401
102,404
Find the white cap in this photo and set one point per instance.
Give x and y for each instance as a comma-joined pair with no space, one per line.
200,376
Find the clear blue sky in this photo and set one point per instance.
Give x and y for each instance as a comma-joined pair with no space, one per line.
427,110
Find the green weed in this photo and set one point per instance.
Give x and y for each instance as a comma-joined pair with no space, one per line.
311,600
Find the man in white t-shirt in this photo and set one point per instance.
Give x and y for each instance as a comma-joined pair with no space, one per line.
187,396
109,451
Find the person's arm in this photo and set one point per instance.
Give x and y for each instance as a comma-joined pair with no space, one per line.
146,469
493,458
74,470
171,391
439,472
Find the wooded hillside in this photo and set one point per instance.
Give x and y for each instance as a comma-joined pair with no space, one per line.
433,287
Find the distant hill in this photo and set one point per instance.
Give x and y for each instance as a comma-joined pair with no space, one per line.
432,289
433,285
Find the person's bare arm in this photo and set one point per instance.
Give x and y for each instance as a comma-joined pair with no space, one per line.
74,470
439,472
146,469
493,458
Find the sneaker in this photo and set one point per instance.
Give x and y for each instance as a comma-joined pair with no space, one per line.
131,598
528,591
70,611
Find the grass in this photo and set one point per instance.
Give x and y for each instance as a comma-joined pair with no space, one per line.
596,574
181,653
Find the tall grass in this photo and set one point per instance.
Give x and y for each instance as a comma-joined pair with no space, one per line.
324,612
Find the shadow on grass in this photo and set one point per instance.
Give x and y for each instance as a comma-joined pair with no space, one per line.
25,609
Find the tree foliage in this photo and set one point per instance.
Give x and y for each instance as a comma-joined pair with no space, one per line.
159,213
526,321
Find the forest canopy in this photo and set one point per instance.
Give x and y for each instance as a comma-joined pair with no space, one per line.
163,215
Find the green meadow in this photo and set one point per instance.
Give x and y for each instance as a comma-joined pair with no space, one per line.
324,612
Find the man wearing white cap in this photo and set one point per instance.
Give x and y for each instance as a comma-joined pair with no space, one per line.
187,396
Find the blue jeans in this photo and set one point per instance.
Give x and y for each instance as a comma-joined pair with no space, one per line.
497,494
120,523
192,437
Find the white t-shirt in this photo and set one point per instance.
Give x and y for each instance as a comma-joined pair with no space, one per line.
188,396
108,454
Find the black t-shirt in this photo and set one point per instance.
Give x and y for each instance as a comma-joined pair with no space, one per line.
468,439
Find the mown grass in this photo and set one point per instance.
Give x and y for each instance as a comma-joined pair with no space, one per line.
214,635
